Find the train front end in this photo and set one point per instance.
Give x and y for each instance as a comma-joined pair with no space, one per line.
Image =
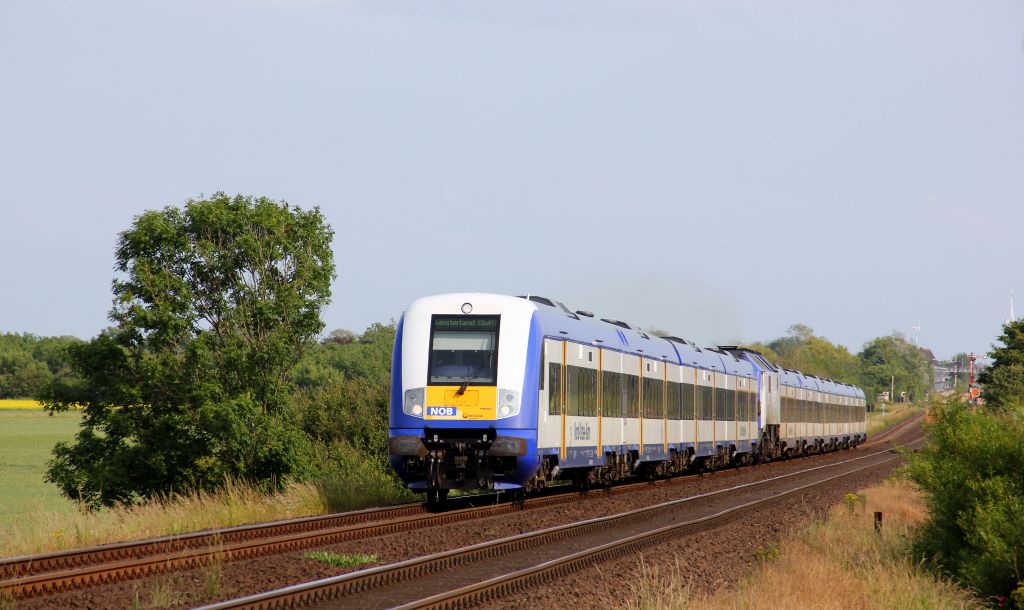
464,394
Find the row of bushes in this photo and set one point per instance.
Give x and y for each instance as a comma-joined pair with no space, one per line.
972,472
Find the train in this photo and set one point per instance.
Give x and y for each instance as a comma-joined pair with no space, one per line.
513,393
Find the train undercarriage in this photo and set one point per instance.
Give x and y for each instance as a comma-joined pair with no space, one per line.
475,459
619,467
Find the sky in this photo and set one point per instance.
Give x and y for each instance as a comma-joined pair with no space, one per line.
720,170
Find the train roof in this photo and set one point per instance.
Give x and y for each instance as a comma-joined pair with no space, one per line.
556,320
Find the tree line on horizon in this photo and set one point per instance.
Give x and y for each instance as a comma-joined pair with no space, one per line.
885,362
216,366
31,365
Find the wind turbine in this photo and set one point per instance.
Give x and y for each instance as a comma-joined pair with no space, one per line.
917,334
1013,318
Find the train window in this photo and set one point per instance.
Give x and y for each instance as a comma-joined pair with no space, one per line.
632,395
653,398
704,402
721,404
675,400
555,388
463,350
611,395
687,391
581,391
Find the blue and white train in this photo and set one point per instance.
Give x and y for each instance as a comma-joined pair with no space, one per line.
500,392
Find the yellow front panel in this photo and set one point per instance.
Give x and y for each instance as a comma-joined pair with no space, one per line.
476,403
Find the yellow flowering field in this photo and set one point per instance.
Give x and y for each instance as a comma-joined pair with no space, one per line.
19,403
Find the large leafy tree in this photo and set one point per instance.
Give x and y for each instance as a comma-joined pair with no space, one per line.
214,303
1003,380
893,361
804,351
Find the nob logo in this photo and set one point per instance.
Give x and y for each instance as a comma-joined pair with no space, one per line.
441,411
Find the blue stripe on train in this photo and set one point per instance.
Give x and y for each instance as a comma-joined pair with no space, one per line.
579,457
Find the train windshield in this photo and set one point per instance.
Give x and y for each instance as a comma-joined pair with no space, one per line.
463,350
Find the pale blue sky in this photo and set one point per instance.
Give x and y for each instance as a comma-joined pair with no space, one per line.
717,169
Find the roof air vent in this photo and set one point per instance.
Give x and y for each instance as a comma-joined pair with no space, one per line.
537,299
566,310
619,323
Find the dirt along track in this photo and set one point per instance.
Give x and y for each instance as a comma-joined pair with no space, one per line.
287,565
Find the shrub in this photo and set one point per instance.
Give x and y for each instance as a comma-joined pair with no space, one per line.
972,472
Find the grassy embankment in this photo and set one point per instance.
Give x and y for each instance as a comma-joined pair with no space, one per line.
894,414
35,517
839,562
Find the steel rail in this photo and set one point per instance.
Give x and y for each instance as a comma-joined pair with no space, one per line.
72,558
35,575
530,577
371,578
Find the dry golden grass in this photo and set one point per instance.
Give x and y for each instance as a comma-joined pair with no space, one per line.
839,563
235,504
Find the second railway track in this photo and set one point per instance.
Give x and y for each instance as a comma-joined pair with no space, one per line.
470,575
50,573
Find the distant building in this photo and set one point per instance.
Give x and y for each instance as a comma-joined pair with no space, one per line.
938,369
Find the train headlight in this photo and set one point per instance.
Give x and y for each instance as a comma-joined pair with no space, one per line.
508,403
413,402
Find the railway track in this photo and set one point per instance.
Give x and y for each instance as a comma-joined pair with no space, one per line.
482,572
51,573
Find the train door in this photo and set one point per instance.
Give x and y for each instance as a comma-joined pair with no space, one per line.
652,414
674,405
723,431
786,409
612,410
734,390
743,409
805,402
687,423
823,403
815,413
631,430
550,432
820,415
704,408
581,402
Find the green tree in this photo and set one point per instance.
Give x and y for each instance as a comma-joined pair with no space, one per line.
1003,380
891,360
972,473
29,364
804,351
214,304
366,356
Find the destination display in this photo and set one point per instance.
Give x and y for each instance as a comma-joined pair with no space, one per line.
466,323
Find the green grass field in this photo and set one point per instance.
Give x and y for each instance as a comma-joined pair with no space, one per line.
26,438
